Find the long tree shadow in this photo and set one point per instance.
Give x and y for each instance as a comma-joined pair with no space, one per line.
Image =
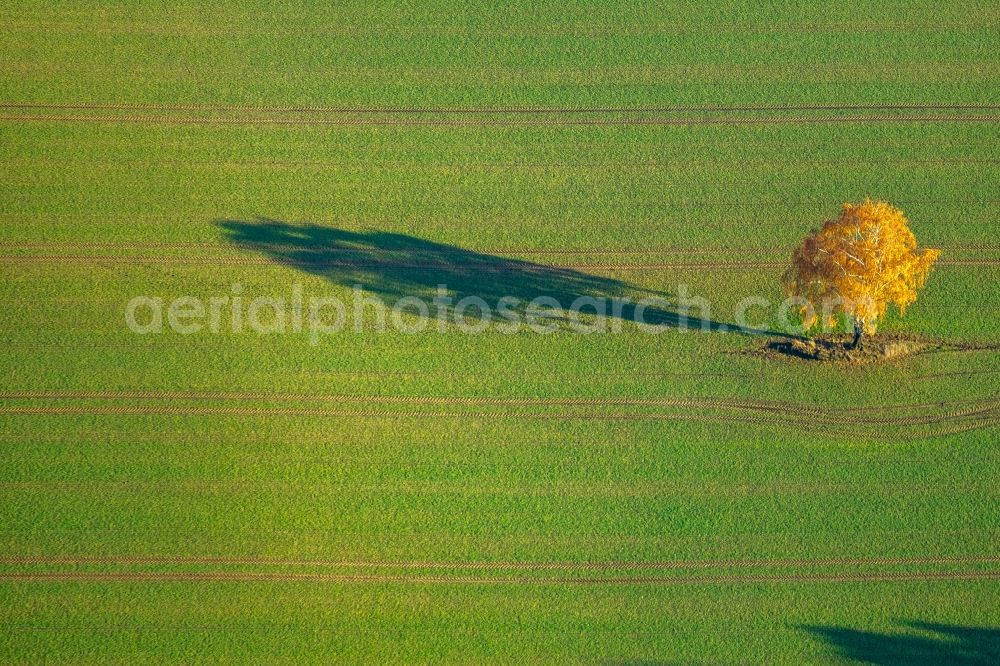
397,266
942,644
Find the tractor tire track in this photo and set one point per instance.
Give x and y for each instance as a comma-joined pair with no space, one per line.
515,265
702,108
270,29
102,490
277,396
490,265
760,420
290,577
578,251
582,165
616,565
755,413
485,121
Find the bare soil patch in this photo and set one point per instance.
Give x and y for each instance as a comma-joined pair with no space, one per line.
836,348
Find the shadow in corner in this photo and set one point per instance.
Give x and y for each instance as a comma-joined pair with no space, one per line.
397,266
940,644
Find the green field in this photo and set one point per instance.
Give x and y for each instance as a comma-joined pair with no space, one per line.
382,496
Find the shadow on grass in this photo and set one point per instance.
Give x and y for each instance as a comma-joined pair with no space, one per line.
397,266
935,645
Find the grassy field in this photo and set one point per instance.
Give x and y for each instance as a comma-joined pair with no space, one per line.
380,496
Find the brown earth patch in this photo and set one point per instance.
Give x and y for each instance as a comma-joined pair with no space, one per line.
836,348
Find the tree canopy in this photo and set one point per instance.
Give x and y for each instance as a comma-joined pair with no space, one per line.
857,265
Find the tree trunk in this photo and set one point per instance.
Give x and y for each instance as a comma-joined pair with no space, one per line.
859,330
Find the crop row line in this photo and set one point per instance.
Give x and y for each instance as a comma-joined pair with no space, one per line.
468,110
666,204
620,165
487,264
756,419
276,396
445,252
806,417
463,538
484,121
126,24
556,377
611,565
290,577
358,491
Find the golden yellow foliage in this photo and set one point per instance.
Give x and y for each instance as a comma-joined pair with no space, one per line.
857,265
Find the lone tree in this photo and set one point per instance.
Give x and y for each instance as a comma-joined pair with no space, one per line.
857,265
